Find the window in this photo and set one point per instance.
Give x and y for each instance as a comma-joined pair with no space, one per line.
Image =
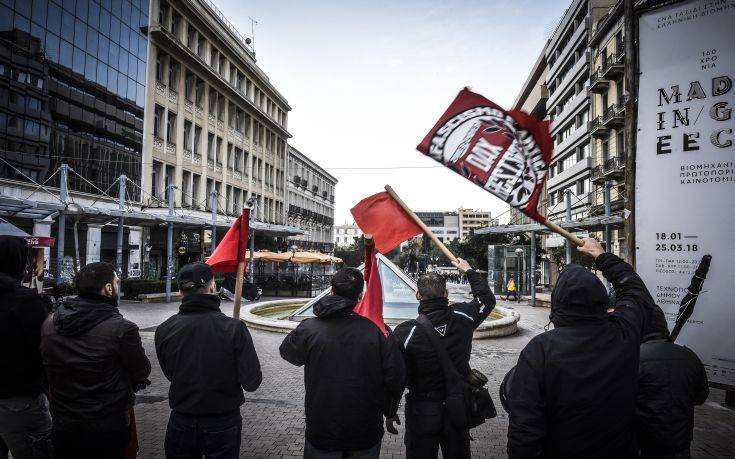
195,179
187,134
157,121
171,128
173,74
210,147
197,138
218,152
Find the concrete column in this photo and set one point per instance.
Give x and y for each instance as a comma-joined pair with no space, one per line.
43,228
94,243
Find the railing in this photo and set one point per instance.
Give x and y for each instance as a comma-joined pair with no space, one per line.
609,166
613,111
231,28
595,124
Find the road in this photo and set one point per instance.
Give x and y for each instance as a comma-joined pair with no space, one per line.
273,416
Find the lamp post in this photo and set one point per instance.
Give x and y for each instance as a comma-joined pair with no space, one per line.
521,276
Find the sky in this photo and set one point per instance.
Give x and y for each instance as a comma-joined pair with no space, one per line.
367,80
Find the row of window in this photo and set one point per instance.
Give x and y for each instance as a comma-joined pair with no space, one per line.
195,41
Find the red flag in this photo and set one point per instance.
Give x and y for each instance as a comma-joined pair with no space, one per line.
381,216
371,305
231,250
505,152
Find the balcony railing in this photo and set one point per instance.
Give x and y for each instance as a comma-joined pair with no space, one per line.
597,127
598,83
614,115
611,168
613,65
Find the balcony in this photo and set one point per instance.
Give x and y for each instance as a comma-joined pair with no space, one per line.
611,169
598,84
616,205
614,116
572,141
598,128
614,65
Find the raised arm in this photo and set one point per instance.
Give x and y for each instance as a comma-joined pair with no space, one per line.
484,300
633,303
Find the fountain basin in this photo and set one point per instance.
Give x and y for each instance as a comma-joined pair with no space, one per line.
275,316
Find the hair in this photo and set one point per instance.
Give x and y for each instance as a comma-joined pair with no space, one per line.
93,277
432,285
13,255
348,282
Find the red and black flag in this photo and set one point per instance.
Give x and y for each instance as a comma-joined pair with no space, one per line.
505,152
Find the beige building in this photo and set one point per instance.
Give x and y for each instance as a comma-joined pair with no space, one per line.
215,122
310,199
607,127
345,235
470,219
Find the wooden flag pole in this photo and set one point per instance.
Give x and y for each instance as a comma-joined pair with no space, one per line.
240,274
423,226
562,232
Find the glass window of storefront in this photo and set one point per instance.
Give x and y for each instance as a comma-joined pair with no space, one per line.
79,65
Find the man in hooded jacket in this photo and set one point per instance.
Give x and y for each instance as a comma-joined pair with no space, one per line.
671,381
94,360
574,391
354,375
25,423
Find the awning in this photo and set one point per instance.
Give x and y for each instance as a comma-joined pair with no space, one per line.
588,224
8,229
294,257
11,206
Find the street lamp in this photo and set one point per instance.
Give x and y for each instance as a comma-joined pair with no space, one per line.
521,274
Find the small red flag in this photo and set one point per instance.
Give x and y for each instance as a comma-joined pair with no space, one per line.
371,305
231,250
381,216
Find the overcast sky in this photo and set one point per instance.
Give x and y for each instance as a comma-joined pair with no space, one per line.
367,80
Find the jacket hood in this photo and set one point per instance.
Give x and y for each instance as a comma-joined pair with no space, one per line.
13,255
81,314
199,302
334,306
8,282
579,298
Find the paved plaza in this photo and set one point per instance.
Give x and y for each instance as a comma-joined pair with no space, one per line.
273,416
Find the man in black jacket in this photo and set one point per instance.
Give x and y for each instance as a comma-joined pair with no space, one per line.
353,374
94,361
209,359
671,381
574,390
427,426
25,423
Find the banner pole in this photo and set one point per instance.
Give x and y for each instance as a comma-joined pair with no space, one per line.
240,272
562,232
422,225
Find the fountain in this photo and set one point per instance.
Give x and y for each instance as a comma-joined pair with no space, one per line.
399,304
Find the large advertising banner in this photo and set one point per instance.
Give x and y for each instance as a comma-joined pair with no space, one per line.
685,171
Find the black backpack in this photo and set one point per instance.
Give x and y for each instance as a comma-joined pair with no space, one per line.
467,406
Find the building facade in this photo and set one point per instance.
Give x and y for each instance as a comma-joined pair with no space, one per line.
445,225
532,99
607,128
72,91
216,127
310,201
344,235
568,107
470,219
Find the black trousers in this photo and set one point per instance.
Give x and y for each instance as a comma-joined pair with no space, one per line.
211,436
90,445
428,429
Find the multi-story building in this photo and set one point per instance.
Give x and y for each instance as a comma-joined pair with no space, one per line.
72,91
469,220
568,107
310,200
216,126
445,225
532,99
607,128
345,235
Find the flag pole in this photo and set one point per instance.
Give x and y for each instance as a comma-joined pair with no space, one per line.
562,232
422,225
240,272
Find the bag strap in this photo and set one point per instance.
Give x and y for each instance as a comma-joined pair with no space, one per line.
450,371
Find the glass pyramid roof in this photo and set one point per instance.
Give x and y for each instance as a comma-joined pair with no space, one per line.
399,294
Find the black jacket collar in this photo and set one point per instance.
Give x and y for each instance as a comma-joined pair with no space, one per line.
199,303
334,306
437,309
82,313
